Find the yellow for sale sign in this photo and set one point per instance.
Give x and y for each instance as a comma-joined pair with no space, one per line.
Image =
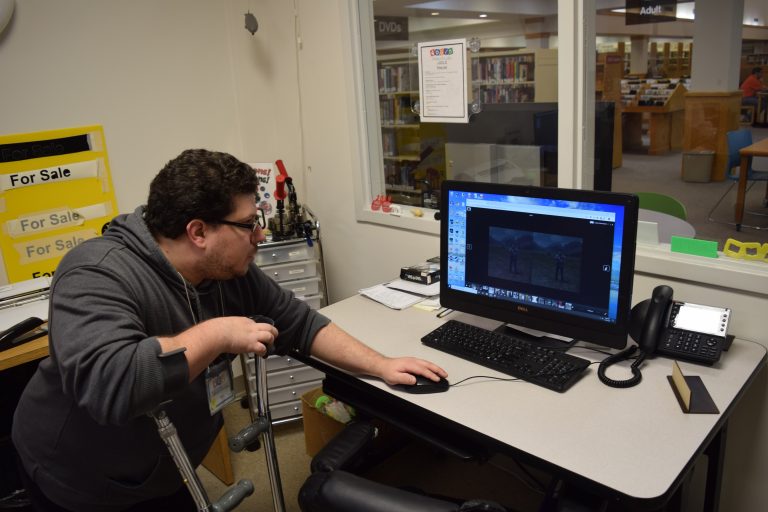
55,192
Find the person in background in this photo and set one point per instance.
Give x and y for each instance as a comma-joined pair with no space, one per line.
147,316
751,86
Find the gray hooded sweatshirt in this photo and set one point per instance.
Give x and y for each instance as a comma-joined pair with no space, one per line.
81,427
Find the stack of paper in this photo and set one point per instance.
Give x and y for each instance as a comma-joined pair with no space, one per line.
400,294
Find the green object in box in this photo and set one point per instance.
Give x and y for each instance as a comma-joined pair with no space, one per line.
706,248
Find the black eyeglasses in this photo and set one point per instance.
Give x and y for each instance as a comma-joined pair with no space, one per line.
260,221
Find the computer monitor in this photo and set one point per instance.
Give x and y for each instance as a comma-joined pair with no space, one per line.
555,260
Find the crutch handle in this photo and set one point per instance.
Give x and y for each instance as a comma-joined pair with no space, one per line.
233,497
248,435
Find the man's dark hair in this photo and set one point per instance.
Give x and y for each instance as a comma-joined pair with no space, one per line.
756,70
197,184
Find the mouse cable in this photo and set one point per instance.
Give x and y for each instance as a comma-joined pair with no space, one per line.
505,379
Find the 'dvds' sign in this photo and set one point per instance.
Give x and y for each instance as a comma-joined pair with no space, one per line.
650,11
390,28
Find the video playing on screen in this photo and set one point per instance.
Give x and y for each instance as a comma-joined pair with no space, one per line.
538,250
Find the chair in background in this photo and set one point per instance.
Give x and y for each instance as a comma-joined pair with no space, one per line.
737,140
747,115
662,203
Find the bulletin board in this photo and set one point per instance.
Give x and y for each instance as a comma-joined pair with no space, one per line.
55,192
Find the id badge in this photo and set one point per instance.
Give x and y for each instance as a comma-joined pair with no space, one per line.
219,382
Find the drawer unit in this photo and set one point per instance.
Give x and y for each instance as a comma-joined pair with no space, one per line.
285,411
288,393
275,363
293,376
285,253
290,271
314,301
297,267
303,287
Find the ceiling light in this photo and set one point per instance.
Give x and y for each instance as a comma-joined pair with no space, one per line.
483,15
435,14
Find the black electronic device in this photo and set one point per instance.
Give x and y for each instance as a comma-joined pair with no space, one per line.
559,261
517,357
423,385
680,330
26,330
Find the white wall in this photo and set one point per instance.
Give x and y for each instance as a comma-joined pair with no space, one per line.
357,254
160,76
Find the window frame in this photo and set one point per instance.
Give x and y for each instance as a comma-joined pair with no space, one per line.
576,85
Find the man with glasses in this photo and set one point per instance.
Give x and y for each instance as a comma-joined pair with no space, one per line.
146,315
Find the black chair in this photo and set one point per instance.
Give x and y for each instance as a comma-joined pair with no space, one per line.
333,485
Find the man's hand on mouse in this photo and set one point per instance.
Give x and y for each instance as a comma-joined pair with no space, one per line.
402,370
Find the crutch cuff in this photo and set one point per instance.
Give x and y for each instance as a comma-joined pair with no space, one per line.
175,371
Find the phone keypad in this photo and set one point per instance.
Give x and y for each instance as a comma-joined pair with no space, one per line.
692,346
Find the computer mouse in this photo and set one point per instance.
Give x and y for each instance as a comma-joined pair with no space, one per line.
424,385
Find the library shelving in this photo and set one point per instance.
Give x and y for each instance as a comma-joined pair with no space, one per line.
653,111
516,76
414,153
753,54
670,60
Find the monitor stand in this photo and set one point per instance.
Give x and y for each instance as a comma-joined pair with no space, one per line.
542,338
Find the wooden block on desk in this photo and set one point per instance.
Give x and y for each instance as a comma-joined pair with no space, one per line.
30,351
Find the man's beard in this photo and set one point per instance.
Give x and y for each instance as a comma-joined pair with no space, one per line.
217,268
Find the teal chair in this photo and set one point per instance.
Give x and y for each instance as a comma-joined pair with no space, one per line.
662,203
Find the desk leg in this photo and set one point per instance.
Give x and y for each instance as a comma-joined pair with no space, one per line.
742,192
715,455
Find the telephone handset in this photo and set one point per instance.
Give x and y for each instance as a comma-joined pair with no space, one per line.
655,316
681,330
22,332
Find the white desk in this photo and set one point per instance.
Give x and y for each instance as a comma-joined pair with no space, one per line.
626,443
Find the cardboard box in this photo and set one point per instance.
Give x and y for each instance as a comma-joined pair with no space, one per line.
424,273
318,428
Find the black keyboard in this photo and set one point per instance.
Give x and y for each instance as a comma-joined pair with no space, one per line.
519,358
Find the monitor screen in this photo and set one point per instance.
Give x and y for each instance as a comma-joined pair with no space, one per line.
555,260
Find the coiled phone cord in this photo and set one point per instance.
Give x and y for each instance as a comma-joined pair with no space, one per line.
615,358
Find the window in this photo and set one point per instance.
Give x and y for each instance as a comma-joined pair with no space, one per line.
512,79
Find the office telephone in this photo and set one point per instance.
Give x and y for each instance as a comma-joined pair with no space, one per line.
670,328
680,330
22,332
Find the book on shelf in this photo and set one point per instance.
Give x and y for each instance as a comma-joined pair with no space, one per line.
425,273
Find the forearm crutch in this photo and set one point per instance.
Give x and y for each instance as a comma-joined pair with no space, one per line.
229,501
255,373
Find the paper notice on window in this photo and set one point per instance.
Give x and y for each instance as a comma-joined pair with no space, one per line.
443,82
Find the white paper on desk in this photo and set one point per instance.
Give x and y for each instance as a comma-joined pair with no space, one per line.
394,299
425,290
